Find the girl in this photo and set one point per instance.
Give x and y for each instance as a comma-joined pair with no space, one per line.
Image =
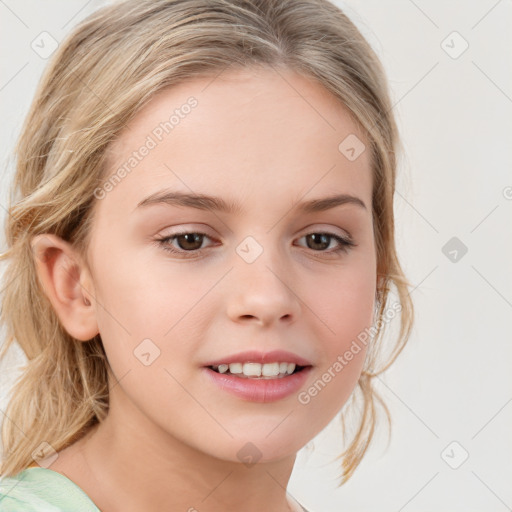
201,253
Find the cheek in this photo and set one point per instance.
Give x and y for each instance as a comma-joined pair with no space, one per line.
343,300
148,308
144,298
344,307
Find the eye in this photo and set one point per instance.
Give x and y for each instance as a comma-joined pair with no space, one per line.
321,241
187,241
191,242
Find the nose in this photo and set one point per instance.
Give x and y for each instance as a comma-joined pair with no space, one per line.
263,293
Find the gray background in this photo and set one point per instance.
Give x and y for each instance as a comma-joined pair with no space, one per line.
450,391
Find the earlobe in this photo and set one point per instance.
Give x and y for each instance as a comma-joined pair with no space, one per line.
67,284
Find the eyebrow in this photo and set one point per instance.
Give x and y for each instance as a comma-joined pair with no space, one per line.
212,203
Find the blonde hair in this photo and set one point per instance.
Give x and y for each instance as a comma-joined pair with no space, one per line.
103,73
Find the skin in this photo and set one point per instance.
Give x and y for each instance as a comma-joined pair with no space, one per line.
266,140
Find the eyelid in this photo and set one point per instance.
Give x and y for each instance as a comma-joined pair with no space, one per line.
329,230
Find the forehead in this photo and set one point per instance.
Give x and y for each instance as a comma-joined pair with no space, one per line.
255,133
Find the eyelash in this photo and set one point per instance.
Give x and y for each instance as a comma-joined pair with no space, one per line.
345,243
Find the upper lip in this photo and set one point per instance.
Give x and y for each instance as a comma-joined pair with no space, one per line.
254,356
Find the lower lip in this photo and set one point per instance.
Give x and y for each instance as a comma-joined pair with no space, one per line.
260,390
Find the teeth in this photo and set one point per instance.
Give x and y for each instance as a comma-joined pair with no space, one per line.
252,369
235,367
270,370
257,369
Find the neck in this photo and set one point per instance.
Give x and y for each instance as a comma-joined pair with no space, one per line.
151,470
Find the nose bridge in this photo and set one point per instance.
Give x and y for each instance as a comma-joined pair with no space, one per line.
263,282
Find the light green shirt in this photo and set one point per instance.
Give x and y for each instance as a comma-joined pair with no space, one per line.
38,489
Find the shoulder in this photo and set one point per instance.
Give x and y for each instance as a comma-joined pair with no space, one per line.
42,490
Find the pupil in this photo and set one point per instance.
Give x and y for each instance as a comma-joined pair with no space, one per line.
320,238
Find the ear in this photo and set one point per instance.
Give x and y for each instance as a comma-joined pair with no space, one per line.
67,283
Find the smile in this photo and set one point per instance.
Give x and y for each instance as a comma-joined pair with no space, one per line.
257,370
261,389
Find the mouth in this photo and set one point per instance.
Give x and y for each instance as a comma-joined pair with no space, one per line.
250,370
255,382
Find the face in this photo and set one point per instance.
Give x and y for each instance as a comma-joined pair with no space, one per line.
259,270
